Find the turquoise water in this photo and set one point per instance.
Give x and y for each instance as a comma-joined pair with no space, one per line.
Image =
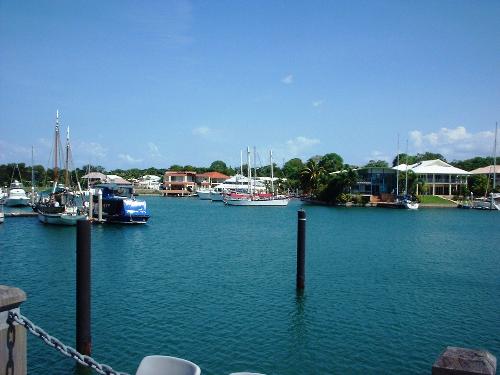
386,290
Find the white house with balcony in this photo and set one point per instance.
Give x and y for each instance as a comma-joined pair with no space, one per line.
440,177
150,182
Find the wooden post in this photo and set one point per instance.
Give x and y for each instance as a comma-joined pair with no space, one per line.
99,199
91,205
12,338
83,334
460,361
301,249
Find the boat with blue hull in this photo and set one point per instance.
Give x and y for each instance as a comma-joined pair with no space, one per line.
119,204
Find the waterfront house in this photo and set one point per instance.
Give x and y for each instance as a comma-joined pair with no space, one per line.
94,178
98,178
209,179
376,182
489,171
179,183
149,182
439,177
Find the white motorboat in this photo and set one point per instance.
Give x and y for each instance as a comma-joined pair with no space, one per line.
2,215
16,196
204,194
488,203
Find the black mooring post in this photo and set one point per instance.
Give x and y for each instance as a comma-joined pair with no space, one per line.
83,336
301,249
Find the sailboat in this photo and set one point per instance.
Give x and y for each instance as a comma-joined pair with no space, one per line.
403,201
493,201
61,205
252,198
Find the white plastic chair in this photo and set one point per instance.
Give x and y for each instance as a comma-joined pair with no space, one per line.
163,365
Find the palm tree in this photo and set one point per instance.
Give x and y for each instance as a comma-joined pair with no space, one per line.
310,176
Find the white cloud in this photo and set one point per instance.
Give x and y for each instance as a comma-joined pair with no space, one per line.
318,103
300,144
287,80
201,131
129,159
455,143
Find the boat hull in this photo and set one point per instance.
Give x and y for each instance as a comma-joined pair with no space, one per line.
217,197
204,195
60,219
257,202
16,202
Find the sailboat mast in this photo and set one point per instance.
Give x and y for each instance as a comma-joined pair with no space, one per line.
56,151
495,158
241,162
32,178
254,169
406,174
249,167
272,170
397,172
66,166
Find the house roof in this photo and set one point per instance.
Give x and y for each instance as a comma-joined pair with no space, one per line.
95,176
487,170
213,175
435,166
117,179
179,173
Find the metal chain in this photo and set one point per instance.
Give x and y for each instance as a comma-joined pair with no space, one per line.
68,351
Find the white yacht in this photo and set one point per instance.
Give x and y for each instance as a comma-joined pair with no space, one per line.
236,184
204,194
16,196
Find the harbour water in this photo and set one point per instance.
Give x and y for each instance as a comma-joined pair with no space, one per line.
386,290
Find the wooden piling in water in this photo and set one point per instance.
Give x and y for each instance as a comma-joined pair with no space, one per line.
301,249
83,278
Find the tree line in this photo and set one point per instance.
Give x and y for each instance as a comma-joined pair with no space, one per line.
314,177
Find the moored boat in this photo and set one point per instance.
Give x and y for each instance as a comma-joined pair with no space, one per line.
61,205
118,204
253,197
16,196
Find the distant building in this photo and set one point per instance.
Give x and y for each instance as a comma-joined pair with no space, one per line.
97,177
94,178
377,182
440,177
210,179
179,184
489,171
149,182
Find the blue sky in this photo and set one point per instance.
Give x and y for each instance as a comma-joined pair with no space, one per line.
156,83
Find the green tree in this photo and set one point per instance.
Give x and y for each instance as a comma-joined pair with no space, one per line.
310,177
331,162
219,166
478,184
377,164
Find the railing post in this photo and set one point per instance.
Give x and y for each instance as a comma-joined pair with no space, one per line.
83,333
12,337
301,249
